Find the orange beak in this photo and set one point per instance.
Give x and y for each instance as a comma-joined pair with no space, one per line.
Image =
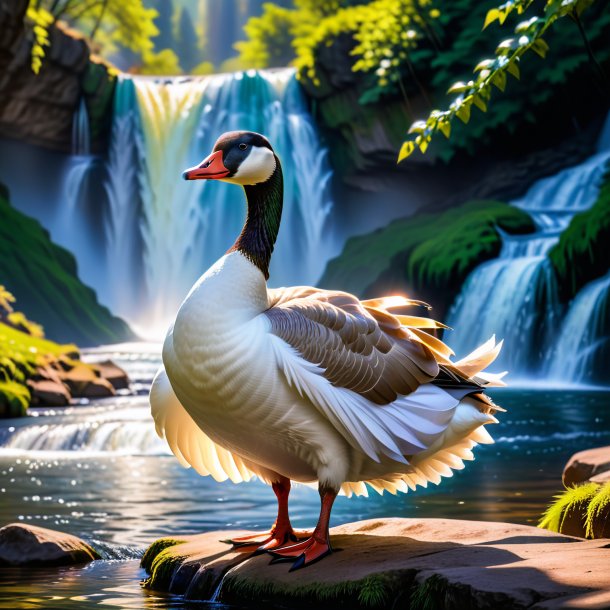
211,168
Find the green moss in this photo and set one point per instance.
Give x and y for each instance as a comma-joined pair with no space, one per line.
43,278
427,254
598,513
155,549
581,255
162,569
14,399
573,500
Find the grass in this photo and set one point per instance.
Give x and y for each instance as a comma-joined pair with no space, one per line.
589,502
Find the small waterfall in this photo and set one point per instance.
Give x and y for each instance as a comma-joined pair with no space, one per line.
81,138
515,296
159,129
90,434
583,339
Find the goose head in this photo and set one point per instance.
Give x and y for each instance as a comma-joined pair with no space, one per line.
239,157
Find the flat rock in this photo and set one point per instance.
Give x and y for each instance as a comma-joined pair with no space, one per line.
414,563
586,464
84,381
22,544
48,393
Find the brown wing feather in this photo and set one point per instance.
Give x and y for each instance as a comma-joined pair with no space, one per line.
359,346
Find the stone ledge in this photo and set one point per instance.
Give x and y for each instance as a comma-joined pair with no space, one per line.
413,563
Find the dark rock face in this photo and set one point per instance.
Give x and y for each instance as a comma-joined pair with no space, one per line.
39,108
397,563
31,545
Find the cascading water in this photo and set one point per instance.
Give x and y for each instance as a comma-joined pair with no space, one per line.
584,337
166,232
515,296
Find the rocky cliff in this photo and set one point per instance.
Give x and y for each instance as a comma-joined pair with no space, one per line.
39,108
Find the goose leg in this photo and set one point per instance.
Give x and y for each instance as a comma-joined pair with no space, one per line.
318,545
281,532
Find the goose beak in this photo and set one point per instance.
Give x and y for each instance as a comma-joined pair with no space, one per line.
211,168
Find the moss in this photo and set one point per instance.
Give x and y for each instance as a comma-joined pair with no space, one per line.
427,254
597,521
572,504
155,549
581,255
43,278
162,569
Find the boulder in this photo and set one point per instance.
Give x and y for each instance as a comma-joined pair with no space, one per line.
113,373
22,544
586,464
84,381
383,563
49,393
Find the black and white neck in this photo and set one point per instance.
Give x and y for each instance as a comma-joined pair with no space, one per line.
258,236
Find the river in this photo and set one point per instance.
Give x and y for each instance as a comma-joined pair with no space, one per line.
98,470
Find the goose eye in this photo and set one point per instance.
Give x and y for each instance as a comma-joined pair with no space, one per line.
243,146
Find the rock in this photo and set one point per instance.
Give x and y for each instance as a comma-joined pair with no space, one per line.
48,393
586,464
113,373
31,545
415,563
84,381
39,108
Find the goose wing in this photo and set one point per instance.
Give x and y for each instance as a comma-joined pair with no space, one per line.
359,345
187,441
367,370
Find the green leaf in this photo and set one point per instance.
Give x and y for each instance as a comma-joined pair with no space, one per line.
499,80
417,127
513,68
540,47
484,65
479,102
458,87
463,113
492,15
445,128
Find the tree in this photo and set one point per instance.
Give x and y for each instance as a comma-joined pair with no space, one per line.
163,21
493,72
187,42
111,23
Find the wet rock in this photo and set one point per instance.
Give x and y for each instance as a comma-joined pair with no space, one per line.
586,464
434,563
113,373
31,545
49,393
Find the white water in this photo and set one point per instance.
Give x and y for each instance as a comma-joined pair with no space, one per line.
162,232
515,296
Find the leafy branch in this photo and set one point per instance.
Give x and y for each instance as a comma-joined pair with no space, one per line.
493,72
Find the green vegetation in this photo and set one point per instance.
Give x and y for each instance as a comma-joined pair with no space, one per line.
43,277
155,549
581,255
528,36
403,54
427,255
20,355
161,562
580,511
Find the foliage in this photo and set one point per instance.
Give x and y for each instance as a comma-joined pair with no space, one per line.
163,21
428,255
162,63
589,502
18,320
528,37
155,549
269,38
111,23
581,255
44,279
203,69
6,300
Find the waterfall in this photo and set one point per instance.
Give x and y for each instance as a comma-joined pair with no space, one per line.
515,295
166,232
583,339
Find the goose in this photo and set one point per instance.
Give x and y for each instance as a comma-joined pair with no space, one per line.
308,385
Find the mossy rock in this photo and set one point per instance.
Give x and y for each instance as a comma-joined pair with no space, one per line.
581,255
427,256
582,511
43,277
